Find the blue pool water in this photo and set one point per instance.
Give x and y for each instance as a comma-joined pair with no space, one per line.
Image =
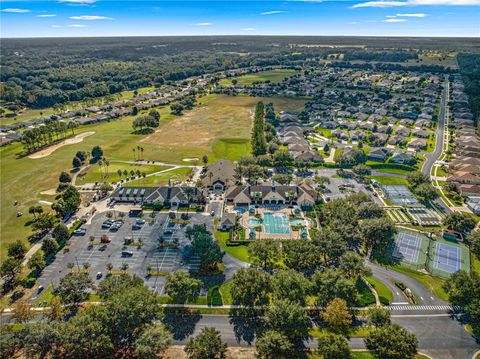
253,222
239,210
276,223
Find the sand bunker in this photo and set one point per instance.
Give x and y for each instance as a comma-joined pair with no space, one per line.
69,141
193,159
50,192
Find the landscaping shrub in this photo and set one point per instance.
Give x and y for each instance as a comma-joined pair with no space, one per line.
214,297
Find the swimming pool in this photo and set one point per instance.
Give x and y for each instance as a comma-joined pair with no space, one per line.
252,222
276,223
239,210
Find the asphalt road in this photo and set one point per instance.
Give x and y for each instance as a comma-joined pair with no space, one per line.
441,337
431,157
386,276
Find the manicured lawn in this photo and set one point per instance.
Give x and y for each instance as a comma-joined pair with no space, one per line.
97,174
225,291
366,296
475,263
393,170
325,132
355,332
276,75
239,252
388,180
177,175
231,148
384,293
367,355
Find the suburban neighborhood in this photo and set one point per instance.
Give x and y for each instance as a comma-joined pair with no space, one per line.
324,206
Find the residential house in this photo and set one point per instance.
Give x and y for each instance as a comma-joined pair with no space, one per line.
378,154
417,143
402,157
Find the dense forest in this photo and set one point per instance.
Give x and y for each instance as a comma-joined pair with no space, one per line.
40,73
470,69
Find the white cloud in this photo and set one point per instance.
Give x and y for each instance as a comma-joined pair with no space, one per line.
90,17
271,12
15,10
76,25
249,29
394,20
411,15
56,26
78,1
352,23
46,15
204,24
387,3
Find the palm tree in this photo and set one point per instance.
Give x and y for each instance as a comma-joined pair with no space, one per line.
100,164
86,265
33,210
141,150
109,267
107,163
124,266
70,265
134,157
119,172
188,192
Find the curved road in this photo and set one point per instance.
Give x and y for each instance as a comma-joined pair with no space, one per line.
431,157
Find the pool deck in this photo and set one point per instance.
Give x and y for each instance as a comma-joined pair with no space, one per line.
263,235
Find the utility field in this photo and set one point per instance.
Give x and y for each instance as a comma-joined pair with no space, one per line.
176,175
219,127
276,75
97,173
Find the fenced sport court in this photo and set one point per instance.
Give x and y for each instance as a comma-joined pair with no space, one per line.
447,258
400,195
407,247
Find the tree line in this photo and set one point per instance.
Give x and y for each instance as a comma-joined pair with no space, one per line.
50,132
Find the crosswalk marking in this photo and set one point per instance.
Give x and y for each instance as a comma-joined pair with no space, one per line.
455,308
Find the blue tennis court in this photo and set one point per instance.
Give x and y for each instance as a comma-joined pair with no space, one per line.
447,258
407,247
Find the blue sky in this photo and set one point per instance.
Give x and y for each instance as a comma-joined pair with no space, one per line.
309,17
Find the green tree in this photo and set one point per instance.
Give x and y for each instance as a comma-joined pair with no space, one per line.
273,345
49,246
65,177
426,192
331,283
181,287
61,233
290,284
264,252
208,250
73,288
44,222
84,336
205,160
287,318
392,342
9,342
250,287
76,162
464,290
378,316
333,346
337,316
152,341
40,339
17,249
207,344
22,311
301,255
125,311
362,170
353,266
473,241
377,233
97,152
459,221
116,284
416,178
369,210
36,262
9,271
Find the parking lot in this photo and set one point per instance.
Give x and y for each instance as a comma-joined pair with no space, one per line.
158,246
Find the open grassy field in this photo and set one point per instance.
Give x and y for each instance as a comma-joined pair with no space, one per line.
390,180
219,118
218,127
177,175
276,75
96,173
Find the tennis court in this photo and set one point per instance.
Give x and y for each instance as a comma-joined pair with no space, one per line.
407,247
447,258
400,195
